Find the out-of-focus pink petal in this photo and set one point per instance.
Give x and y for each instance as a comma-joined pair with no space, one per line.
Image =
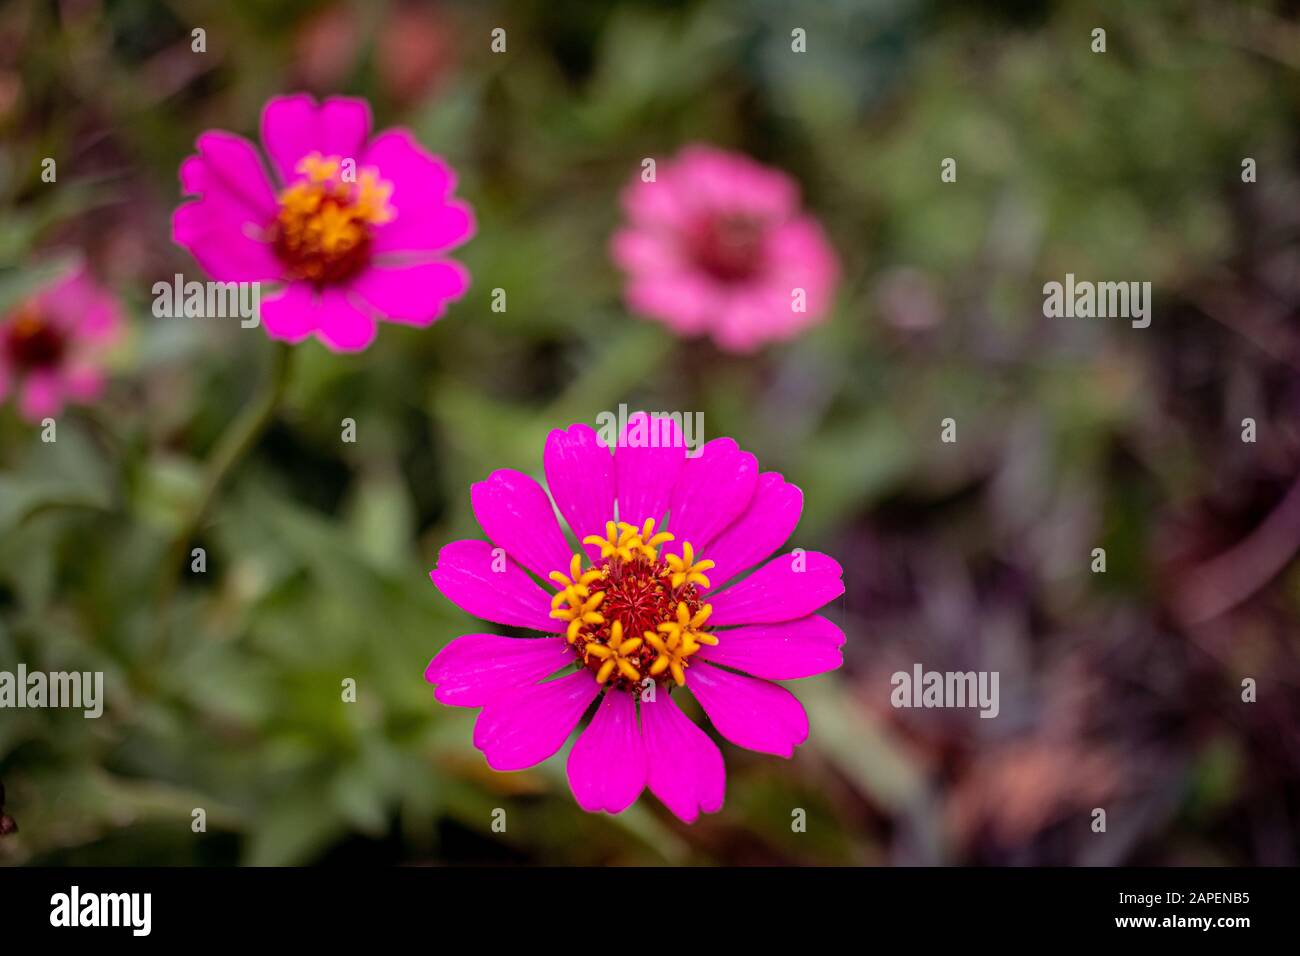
428,219
475,669
514,511
804,258
765,525
715,487
685,768
733,183
294,126
648,462
787,651
228,174
290,314
80,306
580,474
414,294
344,124
235,202
607,766
754,318
656,205
686,302
523,728
224,254
218,245
83,382
750,713
492,587
791,586
40,395
340,324
638,250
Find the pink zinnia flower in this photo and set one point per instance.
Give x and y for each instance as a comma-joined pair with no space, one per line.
353,227
637,615
717,245
52,345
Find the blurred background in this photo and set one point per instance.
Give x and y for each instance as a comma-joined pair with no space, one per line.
1120,690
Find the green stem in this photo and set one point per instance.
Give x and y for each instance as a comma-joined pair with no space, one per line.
231,448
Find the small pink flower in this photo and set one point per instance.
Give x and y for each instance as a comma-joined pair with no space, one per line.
53,343
636,615
717,245
354,226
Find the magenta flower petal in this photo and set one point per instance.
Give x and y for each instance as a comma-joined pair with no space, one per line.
228,175
787,651
341,325
219,246
514,511
753,714
475,669
766,524
788,587
648,472
290,314
580,474
428,220
414,294
714,489
289,131
235,202
685,768
524,728
467,575
294,126
607,765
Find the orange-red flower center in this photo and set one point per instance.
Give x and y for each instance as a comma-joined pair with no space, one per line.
325,226
728,247
635,617
31,341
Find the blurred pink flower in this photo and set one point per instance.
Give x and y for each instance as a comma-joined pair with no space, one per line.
355,231
647,616
52,345
717,245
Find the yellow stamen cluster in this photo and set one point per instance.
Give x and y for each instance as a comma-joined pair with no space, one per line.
680,639
575,588
631,591
684,571
625,541
324,227
618,653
